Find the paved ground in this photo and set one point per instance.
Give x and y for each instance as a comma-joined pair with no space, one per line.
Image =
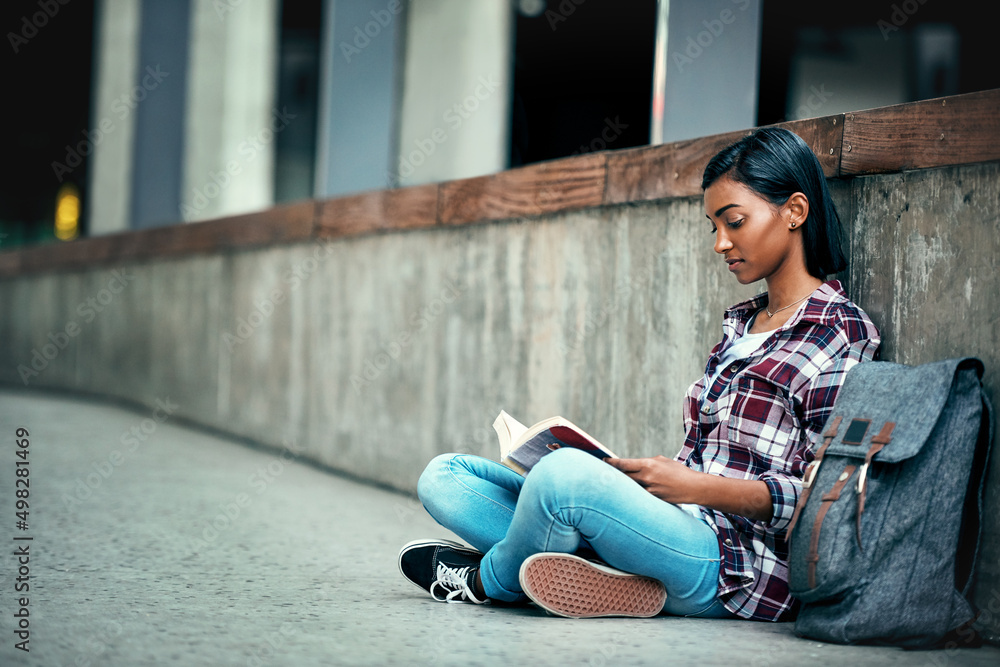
189,549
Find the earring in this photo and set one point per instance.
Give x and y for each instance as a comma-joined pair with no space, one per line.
793,225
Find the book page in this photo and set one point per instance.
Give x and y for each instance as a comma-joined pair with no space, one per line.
509,430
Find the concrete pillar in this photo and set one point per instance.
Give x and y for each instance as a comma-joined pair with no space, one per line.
707,69
158,147
230,119
457,82
360,70
116,49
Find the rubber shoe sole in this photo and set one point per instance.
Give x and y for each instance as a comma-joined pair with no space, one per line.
569,586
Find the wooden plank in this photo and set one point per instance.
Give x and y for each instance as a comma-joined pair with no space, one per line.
825,136
55,256
676,169
281,224
548,187
381,210
961,129
287,223
931,133
666,170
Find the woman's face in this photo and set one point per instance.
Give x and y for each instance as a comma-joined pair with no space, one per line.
753,235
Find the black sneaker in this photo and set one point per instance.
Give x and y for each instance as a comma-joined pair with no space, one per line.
443,568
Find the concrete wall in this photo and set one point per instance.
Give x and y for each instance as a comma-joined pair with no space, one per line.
377,352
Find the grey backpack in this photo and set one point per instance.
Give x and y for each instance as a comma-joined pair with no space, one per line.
883,542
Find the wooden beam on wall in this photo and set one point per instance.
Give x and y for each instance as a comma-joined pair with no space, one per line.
932,133
961,129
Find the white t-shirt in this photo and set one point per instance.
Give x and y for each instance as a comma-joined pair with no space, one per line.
741,348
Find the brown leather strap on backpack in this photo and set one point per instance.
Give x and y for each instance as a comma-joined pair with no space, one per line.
828,499
878,442
810,475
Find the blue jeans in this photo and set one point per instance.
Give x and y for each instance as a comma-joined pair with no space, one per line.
572,500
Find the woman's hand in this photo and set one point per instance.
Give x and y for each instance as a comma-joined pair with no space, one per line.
665,478
674,482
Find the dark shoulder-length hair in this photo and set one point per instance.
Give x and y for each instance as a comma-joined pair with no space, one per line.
776,163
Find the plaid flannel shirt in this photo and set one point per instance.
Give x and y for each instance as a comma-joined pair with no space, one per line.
761,420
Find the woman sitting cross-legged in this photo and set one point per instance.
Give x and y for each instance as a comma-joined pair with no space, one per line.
701,534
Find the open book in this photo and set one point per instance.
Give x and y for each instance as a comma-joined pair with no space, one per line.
521,447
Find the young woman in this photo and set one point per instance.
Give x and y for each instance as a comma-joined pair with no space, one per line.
701,534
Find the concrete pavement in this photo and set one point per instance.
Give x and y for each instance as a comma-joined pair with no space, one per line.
154,543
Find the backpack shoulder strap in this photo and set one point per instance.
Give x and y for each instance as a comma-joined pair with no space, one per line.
810,474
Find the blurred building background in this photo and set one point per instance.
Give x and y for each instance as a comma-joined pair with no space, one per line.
128,114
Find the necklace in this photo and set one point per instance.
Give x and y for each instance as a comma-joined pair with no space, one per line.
770,314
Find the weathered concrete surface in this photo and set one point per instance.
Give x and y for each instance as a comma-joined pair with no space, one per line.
376,353
195,550
380,352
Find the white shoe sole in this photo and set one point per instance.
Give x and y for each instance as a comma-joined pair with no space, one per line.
570,586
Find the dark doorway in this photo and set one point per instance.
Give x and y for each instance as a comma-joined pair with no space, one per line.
868,54
298,92
46,74
583,77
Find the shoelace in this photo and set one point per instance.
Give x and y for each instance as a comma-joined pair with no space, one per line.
454,580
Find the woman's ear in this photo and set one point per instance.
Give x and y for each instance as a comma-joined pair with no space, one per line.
797,208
